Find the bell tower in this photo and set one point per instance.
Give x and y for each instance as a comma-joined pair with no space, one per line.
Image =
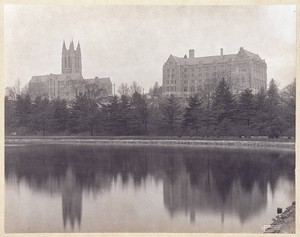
71,59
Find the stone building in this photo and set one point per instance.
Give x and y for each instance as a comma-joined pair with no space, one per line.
70,82
185,76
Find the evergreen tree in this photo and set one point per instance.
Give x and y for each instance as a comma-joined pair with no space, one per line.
171,114
59,115
23,110
260,112
141,108
192,113
10,115
246,109
40,119
288,96
273,119
84,113
224,108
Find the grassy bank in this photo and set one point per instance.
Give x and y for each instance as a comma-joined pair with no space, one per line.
258,143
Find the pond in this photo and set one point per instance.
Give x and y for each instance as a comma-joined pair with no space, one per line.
109,188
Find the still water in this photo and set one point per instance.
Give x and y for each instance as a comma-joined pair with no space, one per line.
87,188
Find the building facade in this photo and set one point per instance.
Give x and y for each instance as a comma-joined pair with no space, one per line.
70,82
186,76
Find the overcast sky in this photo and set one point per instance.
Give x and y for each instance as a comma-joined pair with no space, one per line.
131,43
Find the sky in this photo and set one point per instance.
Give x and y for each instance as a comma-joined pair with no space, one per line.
131,43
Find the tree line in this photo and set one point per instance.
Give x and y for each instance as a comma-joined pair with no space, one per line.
214,112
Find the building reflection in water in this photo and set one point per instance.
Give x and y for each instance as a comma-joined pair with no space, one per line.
71,199
222,182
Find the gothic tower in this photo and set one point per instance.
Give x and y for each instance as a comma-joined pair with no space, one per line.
71,59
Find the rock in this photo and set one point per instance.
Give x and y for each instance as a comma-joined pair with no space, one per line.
279,210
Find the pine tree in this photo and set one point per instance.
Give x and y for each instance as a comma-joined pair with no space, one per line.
23,110
140,106
288,97
224,108
59,115
40,119
192,113
260,117
246,109
274,122
171,114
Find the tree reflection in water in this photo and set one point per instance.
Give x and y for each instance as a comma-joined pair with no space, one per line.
194,179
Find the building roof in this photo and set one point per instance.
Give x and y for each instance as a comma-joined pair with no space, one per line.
104,80
57,77
212,59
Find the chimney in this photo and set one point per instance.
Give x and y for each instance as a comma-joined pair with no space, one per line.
221,51
191,53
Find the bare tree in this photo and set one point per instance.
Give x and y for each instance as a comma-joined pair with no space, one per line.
135,88
123,89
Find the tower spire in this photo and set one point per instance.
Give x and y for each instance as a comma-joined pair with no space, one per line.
78,47
71,45
64,46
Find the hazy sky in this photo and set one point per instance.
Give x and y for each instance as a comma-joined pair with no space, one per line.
131,43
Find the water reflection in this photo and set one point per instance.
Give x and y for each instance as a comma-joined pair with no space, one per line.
223,182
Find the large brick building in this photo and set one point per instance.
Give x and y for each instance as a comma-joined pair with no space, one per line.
70,82
185,76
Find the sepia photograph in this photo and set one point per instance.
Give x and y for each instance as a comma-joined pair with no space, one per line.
149,118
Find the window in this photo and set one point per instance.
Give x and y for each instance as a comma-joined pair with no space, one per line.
185,89
192,69
175,81
185,82
207,68
168,82
214,74
167,89
172,88
185,70
215,67
200,75
184,76
193,81
192,89
207,74
168,71
192,75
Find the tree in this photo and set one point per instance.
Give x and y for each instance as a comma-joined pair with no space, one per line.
110,117
273,119
10,115
23,110
135,88
59,115
155,90
260,111
124,89
40,118
84,112
141,107
206,94
223,107
288,97
171,113
192,113
246,110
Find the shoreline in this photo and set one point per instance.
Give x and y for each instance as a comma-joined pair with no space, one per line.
285,222
242,144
